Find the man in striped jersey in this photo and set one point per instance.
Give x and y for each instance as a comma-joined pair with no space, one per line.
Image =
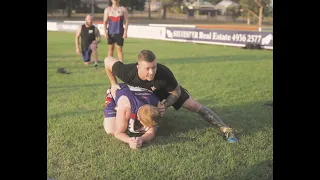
113,19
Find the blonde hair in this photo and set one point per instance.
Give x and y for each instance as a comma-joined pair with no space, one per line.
149,115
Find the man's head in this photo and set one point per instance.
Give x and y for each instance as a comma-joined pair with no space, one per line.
147,65
115,2
89,20
148,115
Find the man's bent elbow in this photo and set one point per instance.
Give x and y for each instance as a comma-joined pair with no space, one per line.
106,60
109,62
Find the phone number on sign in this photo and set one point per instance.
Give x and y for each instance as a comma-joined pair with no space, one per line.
246,38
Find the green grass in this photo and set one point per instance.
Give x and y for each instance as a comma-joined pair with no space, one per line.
234,82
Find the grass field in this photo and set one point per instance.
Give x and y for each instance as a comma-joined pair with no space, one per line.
234,82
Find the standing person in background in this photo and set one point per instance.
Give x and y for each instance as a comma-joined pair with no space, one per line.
114,31
90,37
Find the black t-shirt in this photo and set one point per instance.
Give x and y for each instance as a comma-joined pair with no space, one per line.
164,80
87,35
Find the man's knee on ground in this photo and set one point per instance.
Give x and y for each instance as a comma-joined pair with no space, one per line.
110,133
108,124
108,130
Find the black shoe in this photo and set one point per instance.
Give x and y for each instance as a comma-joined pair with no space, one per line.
62,71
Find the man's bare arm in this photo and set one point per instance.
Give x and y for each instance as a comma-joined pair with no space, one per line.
173,97
98,36
78,32
149,135
121,122
108,63
105,22
126,18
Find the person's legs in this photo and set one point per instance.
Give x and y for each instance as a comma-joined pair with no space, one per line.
206,113
94,48
86,56
119,41
110,50
120,53
187,102
109,113
111,42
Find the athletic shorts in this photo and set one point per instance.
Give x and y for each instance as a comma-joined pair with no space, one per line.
86,55
177,105
115,38
110,105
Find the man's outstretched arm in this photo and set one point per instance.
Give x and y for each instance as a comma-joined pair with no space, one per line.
149,135
121,123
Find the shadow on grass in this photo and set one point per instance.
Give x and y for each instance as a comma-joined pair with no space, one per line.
246,119
250,118
261,171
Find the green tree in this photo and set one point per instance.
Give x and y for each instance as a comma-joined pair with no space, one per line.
69,5
214,1
133,4
254,8
234,11
167,4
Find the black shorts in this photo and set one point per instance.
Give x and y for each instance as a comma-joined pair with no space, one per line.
177,105
115,38
86,55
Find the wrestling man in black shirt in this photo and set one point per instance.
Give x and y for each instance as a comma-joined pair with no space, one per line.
149,74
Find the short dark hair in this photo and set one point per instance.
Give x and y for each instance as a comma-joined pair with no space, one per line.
146,55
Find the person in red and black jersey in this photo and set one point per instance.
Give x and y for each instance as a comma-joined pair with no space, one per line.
113,20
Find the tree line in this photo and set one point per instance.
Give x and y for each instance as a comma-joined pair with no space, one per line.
249,8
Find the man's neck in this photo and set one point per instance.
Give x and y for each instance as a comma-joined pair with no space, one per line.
115,5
